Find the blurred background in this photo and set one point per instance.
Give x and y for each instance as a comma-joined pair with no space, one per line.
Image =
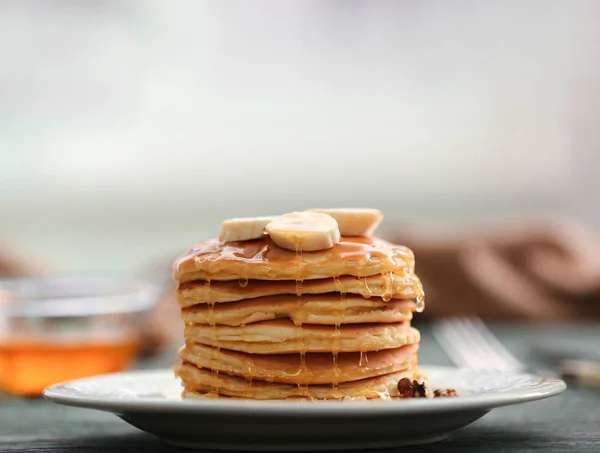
130,129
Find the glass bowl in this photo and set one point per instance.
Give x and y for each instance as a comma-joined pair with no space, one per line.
61,328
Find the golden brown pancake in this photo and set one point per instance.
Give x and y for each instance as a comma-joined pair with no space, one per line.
318,368
261,259
314,309
283,337
397,287
263,322
200,381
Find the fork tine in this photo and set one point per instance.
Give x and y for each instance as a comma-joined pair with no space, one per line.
468,342
498,347
450,344
487,355
458,346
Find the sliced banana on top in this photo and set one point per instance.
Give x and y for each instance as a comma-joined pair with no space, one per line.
304,231
244,229
354,222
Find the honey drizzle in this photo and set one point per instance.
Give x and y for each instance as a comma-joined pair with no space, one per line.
299,287
298,316
303,371
420,299
248,372
215,258
303,374
298,247
339,318
420,304
204,259
363,360
388,286
215,360
367,292
416,289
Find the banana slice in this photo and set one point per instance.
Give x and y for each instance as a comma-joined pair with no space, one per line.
244,229
304,231
354,222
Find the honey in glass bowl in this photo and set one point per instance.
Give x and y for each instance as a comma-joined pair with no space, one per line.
57,329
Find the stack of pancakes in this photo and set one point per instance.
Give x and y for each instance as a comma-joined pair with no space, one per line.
264,322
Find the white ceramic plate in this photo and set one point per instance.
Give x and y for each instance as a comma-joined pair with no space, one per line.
149,401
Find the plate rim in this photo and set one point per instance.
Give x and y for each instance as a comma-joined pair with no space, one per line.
547,387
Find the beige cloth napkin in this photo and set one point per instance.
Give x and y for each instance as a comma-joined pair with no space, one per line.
544,269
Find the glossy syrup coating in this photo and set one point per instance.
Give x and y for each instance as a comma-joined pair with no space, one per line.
361,266
262,259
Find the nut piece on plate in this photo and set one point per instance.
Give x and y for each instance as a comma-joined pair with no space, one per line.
355,222
244,229
444,393
304,231
413,389
406,388
421,390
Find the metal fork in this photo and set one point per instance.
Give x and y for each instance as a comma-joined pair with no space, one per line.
470,344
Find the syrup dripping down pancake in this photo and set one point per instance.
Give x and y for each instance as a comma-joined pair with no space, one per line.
261,259
314,309
200,381
265,320
318,368
393,286
283,337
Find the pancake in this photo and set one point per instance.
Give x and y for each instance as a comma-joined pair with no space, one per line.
199,381
398,286
314,309
261,259
283,337
318,368
267,323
